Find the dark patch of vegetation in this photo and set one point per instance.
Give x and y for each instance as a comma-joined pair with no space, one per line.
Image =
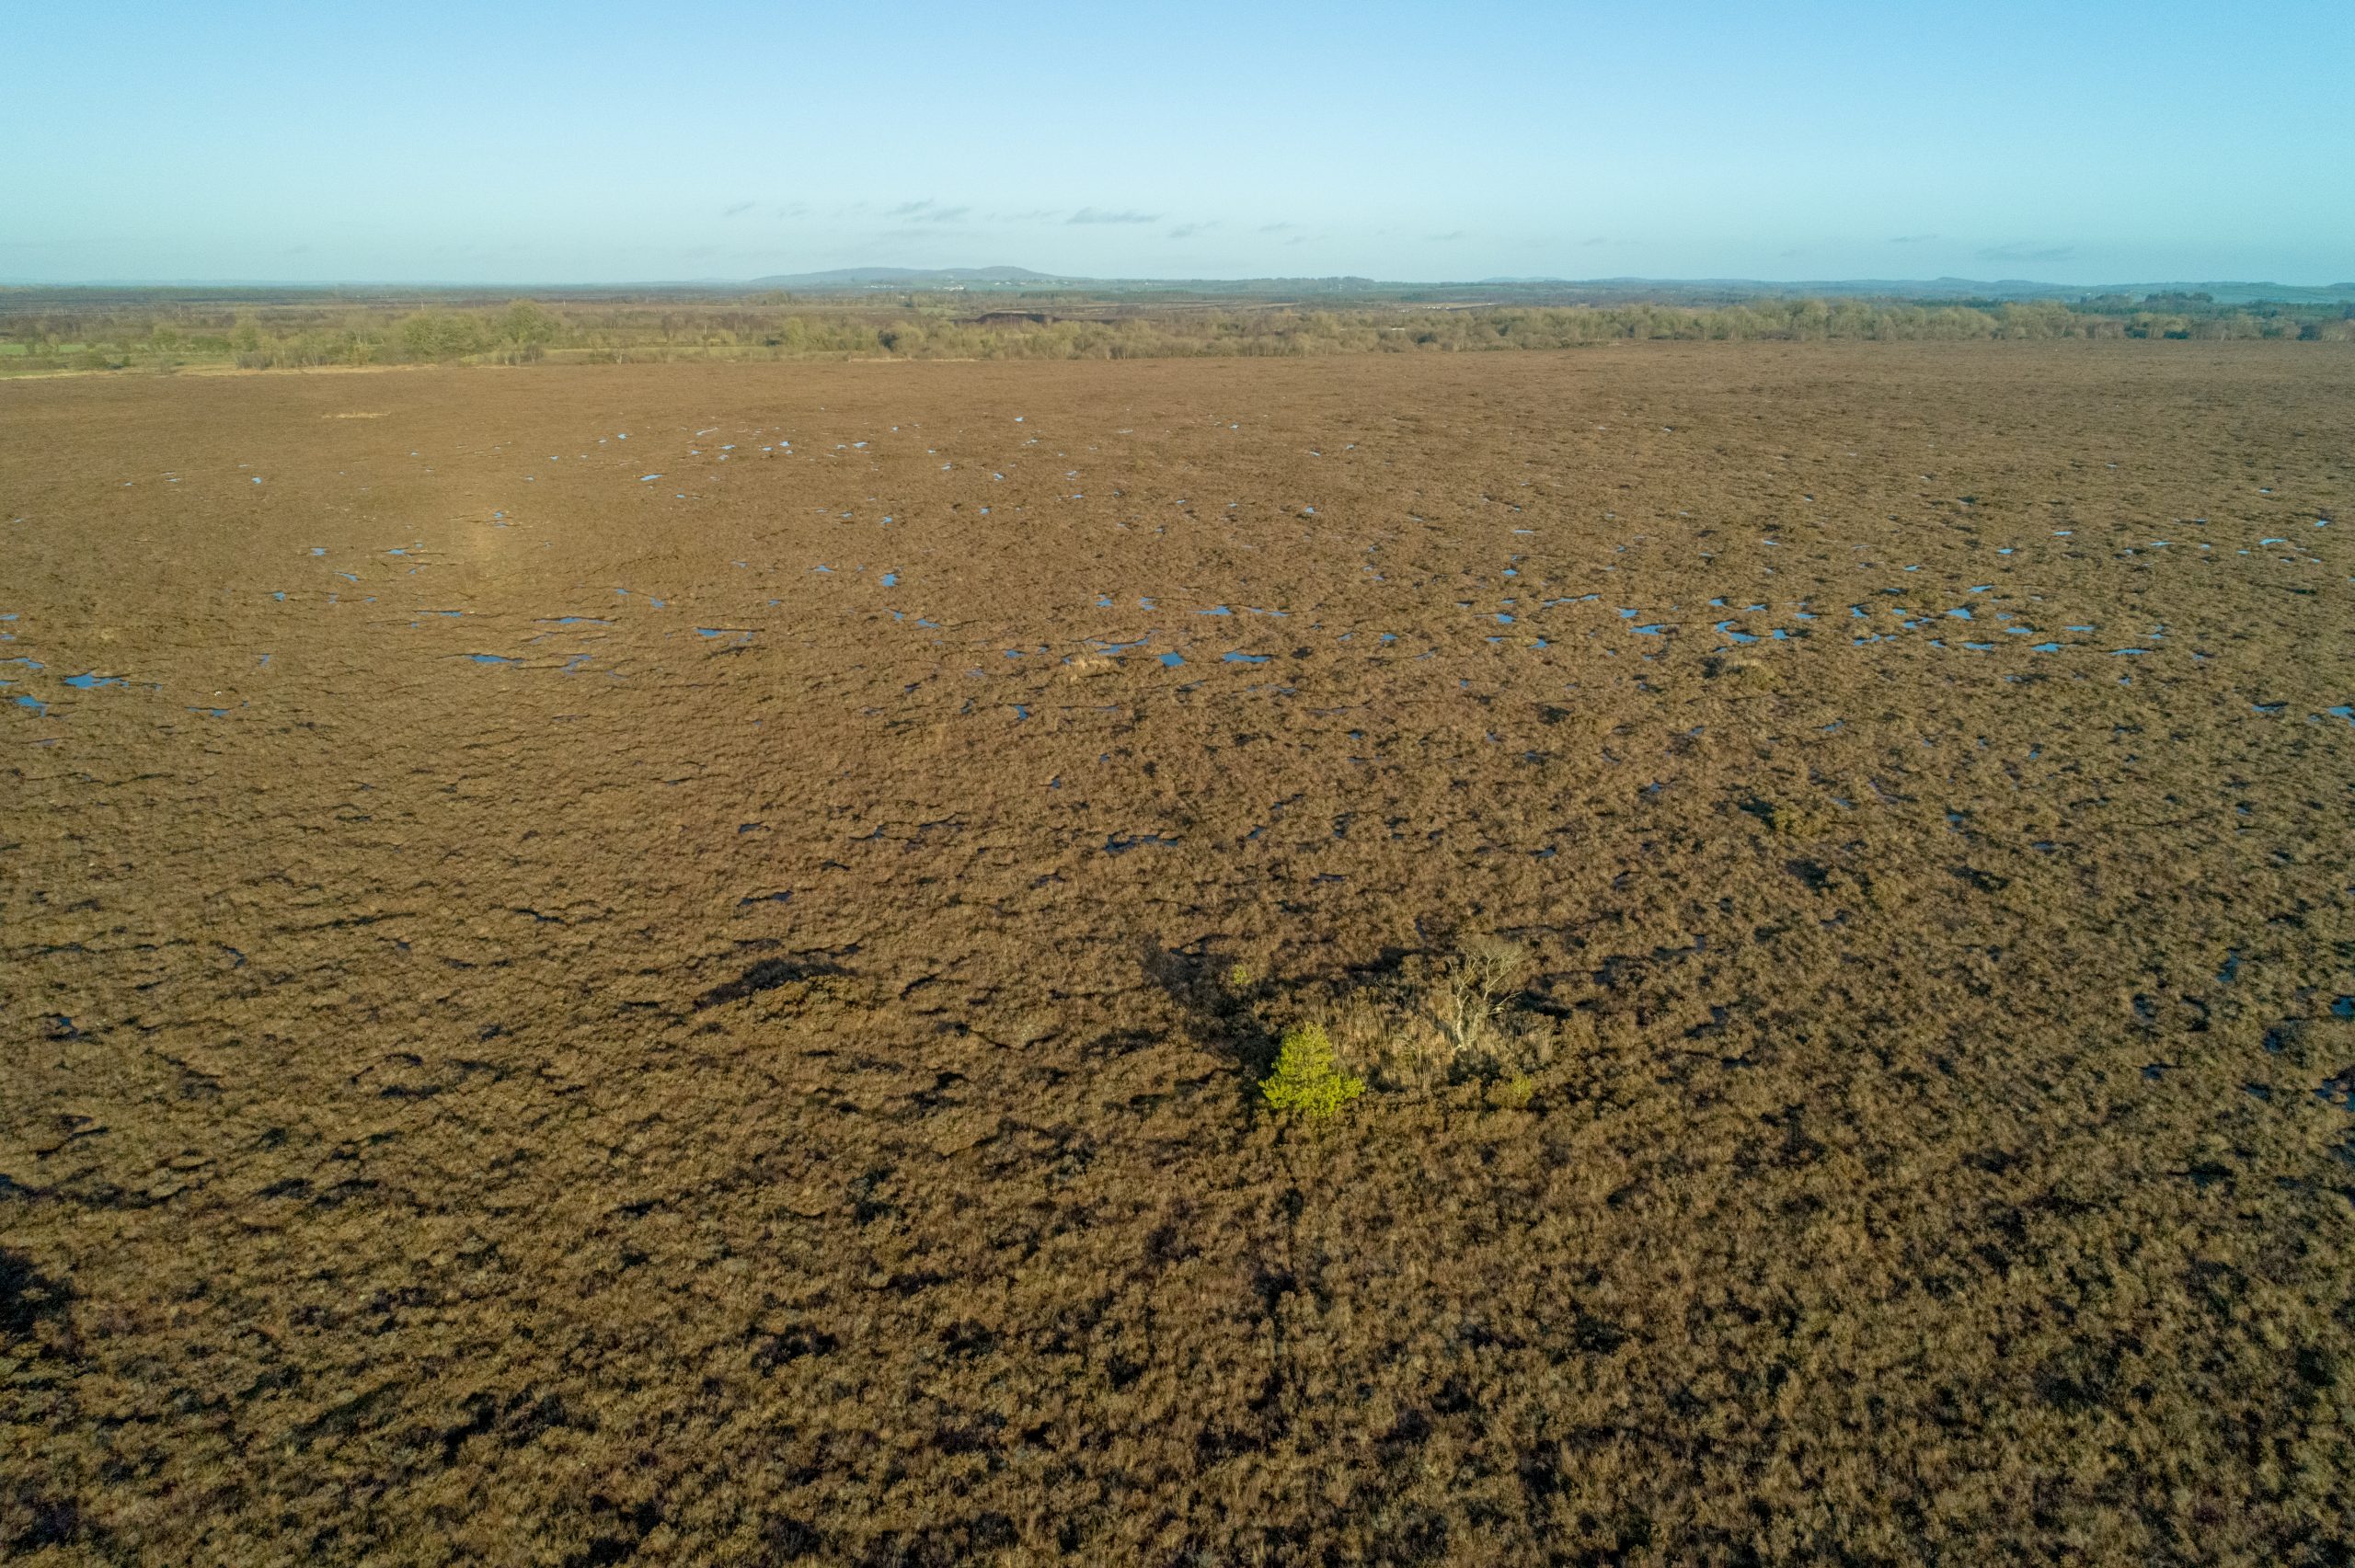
134,330
769,974
27,1295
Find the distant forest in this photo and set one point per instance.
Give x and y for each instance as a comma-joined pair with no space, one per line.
53,330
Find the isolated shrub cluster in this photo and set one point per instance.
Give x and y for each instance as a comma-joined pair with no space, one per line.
1458,1015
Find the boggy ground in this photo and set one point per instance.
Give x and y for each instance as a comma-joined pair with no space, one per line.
575,1000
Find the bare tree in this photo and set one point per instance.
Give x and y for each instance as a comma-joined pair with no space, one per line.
1475,987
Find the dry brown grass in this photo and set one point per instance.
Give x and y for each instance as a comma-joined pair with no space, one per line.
677,1099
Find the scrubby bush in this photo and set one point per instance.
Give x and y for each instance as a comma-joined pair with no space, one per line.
1307,1078
1513,1094
1452,1017
444,335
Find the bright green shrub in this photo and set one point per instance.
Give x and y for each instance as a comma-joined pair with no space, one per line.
1307,1078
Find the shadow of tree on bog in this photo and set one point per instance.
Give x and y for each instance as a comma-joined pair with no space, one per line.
767,975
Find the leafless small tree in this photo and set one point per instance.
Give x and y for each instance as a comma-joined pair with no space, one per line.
1475,987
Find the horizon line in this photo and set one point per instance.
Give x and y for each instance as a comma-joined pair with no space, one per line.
1039,279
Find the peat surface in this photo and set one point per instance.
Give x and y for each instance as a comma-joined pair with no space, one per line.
667,964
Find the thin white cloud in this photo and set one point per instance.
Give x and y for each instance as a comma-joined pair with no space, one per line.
927,211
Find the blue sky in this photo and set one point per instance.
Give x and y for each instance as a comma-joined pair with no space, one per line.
2073,142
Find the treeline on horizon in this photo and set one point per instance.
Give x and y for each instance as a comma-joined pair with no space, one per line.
162,337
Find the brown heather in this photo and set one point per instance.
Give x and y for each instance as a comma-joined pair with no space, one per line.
769,1077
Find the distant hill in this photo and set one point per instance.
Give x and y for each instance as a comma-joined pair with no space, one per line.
1942,289
1666,291
904,277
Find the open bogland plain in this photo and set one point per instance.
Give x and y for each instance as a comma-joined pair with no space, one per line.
668,964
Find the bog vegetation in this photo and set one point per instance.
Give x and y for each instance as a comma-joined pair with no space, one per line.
1423,1021
144,331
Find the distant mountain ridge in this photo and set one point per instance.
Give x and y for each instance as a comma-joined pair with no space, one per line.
1664,289
888,277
